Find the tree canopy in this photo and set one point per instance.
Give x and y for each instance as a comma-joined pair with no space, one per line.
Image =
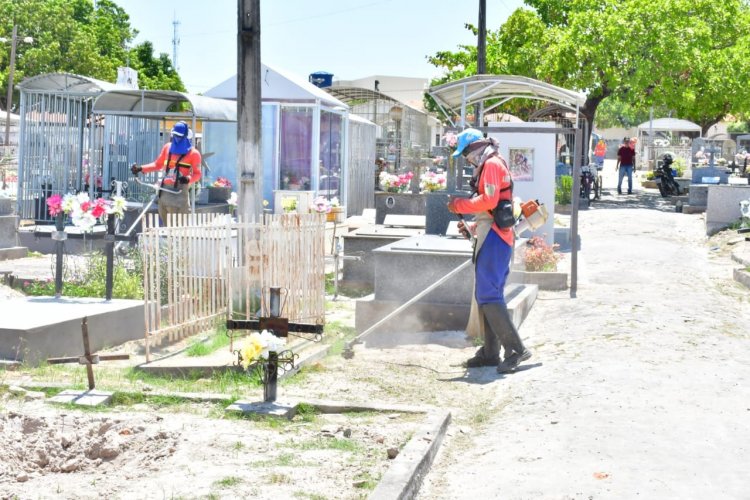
688,56
73,36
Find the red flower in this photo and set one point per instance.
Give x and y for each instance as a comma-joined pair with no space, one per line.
100,208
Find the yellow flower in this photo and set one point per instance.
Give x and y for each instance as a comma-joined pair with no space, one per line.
251,350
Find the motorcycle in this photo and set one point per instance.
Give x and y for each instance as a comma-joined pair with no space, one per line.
664,178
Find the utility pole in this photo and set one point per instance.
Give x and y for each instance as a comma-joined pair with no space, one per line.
175,41
249,109
481,56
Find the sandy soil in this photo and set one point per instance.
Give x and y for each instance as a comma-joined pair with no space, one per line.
639,387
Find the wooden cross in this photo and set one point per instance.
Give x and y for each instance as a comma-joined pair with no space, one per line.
87,359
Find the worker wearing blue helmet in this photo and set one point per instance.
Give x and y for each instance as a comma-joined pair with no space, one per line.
492,191
181,164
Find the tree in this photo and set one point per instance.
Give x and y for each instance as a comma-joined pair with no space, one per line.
670,53
72,36
154,73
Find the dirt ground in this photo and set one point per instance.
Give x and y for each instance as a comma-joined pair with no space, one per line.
638,387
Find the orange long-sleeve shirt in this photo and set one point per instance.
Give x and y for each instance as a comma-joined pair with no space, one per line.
189,166
495,177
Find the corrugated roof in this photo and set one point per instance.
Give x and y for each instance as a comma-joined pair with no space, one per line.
164,103
66,82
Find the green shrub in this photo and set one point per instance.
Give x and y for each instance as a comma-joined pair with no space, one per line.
564,190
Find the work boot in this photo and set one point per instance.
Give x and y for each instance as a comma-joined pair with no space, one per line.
480,359
489,353
498,321
510,364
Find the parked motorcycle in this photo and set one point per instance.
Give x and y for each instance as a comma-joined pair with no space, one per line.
664,178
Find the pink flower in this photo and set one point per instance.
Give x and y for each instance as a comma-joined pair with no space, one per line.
54,203
222,182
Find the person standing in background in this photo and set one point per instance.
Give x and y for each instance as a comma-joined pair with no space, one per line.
625,162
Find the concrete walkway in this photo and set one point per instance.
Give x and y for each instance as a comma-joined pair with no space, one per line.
639,388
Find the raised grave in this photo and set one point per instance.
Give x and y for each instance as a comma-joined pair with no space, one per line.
723,206
36,328
406,267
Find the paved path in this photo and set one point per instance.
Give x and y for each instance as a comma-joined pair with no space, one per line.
639,388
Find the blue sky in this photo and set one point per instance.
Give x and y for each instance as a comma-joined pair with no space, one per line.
349,38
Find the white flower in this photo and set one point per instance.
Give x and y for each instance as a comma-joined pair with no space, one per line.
232,201
69,202
117,206
82,198
84,220
270,343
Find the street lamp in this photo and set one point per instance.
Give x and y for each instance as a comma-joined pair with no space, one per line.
11,70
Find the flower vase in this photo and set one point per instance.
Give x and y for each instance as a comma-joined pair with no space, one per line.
218,194
335,215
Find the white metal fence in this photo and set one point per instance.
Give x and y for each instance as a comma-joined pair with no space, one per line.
203,269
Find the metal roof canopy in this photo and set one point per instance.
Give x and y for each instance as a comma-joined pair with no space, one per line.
350,94
354,95
670,124
66,82
164,104
477,89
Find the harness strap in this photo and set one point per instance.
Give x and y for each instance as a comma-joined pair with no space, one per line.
177,166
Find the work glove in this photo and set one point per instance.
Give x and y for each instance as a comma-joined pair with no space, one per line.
135,169
183,180
451,205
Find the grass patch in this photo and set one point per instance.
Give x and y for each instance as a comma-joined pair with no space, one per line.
228,482
265,421
284,460
337,334
306,413
203,347
309,496
329,284
278,478
365,481
321,443
233,382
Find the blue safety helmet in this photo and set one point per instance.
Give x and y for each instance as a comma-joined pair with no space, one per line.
180,139
465,138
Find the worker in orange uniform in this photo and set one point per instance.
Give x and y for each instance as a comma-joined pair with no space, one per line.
181,163
492,208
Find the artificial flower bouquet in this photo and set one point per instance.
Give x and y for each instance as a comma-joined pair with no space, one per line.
257,346
84,212
395,183
321,205
222,182
431,182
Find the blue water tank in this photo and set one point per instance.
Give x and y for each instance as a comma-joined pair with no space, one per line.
321,79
